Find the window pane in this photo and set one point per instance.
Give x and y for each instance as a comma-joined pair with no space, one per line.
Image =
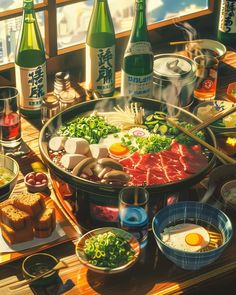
12,4
72,20
9,31
72,23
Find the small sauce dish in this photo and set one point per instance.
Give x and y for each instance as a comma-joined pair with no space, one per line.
228,193
38,263
36,181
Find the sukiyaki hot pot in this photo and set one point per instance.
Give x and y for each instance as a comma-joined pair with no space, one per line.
100,146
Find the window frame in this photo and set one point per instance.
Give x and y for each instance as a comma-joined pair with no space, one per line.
49,7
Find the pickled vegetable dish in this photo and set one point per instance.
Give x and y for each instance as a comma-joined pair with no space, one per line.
6,175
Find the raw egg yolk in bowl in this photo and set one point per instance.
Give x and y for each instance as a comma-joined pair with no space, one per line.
193,239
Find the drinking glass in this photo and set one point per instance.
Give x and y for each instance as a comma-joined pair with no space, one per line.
133,212
10,127
205,87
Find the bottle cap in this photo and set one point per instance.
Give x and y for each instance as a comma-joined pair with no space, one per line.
62,82
68,96
51,100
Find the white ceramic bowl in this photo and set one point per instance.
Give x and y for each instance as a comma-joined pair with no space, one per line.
12,165
216,128
228,193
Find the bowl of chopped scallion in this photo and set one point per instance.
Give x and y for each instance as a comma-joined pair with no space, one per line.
108,250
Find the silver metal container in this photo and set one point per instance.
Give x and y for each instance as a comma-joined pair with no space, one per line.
174,79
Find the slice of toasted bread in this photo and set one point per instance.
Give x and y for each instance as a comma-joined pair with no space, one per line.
44,233
19,236
33,204
6,202
46,220
14,217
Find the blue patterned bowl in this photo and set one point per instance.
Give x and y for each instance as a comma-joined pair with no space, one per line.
191,210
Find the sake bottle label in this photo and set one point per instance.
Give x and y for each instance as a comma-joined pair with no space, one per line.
32,86
100,69
136,85
138,48
227,22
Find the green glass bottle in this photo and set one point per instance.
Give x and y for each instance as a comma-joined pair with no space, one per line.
100,50
30,64
137,67
227,22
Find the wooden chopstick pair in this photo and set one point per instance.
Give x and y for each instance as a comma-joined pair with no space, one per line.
185,42
202,142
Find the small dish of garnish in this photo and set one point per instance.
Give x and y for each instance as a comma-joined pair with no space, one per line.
36,181
208,109
9,171
108,250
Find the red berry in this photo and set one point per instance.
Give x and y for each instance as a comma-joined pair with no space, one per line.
31,181
40,176
38,183
30,176
44,181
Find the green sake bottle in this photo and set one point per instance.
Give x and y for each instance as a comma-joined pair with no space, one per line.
137,66
30,64
227,22
100,50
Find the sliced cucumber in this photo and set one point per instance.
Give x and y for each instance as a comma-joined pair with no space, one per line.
163,129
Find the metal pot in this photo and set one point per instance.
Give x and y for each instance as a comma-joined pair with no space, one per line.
90,196
174,79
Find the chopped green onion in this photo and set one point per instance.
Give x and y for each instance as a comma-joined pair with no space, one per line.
108,250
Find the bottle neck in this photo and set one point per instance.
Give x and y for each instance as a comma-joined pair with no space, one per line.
28,11
28,6
100,5
139,28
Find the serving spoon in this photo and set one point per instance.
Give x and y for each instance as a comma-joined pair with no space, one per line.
58,266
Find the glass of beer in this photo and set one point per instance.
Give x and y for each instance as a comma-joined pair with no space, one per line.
133,212
205,87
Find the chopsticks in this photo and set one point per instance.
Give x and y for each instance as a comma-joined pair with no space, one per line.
202,142
213,119
185,42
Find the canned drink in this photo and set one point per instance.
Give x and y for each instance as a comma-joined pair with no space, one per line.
174,79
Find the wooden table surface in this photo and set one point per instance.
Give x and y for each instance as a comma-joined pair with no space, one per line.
153,274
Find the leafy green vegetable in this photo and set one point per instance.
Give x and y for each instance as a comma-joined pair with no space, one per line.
185,139
108,250
92,128
151,144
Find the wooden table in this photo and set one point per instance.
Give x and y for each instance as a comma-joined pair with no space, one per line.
153,274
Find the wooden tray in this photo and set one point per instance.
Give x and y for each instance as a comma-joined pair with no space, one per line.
70,234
